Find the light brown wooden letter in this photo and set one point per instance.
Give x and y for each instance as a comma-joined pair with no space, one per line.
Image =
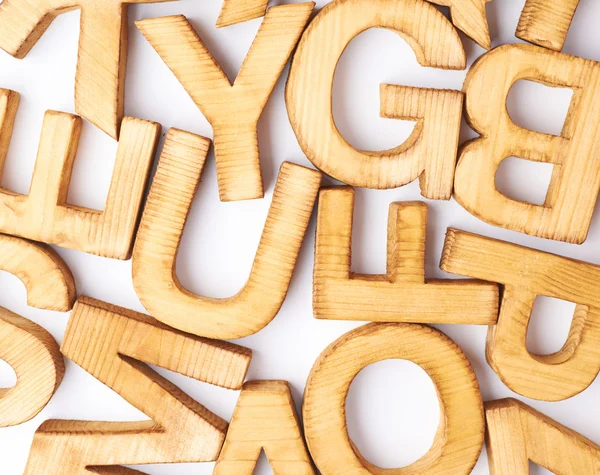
546,22
232,110
459,438
525,274
44,214
430,152
264,419
102,56
516,434
467,15
26,347
567,211
111,343
403,294
163,221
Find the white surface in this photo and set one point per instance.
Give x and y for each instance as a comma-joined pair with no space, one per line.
392,408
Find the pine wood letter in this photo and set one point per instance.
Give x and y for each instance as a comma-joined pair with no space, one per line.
459,438
102,56
44,214
403,294
173,189
26,347
430,152
571,197
546,22
516,434
111,343
526,273
264,419
232,110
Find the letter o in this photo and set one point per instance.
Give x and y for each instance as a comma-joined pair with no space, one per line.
460,435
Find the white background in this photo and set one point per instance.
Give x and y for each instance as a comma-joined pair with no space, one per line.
392,407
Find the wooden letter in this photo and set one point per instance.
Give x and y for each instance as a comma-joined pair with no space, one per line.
459,438
232,110
546,22
173,188
567,212
430,152
102,56
111,343
264,419
44,214
403,295
467,15
516,434
26,347
525,274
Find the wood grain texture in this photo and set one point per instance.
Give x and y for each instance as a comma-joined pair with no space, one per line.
517,433
102,54
237,11
401,295
264,419
112,344
526,273
546,22
36,360
233,110
44,214
459,438
470,17
430,151
171,194
571,197
25,346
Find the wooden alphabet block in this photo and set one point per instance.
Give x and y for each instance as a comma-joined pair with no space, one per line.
26,347
430,151
232,109
171,194
571,197
525,274
516,434
264,419
102,56
459,438
546,22
44,215
112,344
403,294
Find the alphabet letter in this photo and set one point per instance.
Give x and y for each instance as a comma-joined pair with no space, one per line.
430,152
232,110
567,212
459,438
526,273
173,188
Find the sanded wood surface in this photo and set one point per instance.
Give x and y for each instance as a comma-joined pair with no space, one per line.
567,211
29,349
526,273
459,438
232,109
517,433
102,54
112,344
171,194
546,22
44,214
401,295
264,419
430,151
